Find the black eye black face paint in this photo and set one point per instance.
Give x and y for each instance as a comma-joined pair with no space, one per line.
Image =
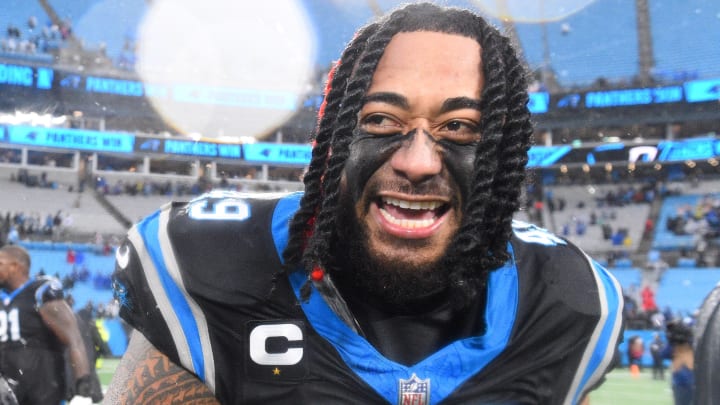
459,159
368,152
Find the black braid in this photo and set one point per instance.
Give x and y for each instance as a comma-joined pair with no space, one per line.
514,146
300,225
471,257
480,245
318,250
507,99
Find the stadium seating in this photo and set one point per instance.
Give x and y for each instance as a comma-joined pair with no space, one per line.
581,202
666,239
582,51
88,215
684,289
627,277
135,208
53,259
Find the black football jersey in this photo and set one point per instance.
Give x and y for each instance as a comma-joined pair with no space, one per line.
196,279
20,322
31,356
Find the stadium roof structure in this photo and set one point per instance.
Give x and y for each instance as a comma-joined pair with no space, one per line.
592,50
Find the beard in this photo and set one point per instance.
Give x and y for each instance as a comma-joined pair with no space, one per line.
366,275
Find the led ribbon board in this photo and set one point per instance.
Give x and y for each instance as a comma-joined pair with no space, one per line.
69,138
278,153
26,76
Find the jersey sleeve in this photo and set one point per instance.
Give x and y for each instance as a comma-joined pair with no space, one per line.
573,300
152,297
602,351
184,273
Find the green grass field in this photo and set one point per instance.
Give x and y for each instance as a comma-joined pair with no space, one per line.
620,388
106,371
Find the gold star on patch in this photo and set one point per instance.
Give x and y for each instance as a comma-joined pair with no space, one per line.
276,371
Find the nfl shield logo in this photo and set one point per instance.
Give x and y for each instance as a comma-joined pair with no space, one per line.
414,391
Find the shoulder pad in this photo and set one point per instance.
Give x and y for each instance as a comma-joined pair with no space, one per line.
533,234
50,289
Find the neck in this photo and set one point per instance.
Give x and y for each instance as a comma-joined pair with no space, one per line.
358,292
16,283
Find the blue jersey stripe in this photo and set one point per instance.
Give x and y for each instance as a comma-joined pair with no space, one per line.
148,230
610,332
603,349
282,215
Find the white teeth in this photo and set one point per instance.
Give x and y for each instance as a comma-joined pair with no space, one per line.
412,205
407,223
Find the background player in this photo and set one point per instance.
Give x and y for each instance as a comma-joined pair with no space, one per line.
402,276
38,326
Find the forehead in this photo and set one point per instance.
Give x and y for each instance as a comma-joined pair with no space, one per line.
416,62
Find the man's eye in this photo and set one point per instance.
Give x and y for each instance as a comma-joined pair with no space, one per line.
460,131
379,124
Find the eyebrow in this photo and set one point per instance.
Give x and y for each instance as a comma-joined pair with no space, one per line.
450,104
459,103
388,98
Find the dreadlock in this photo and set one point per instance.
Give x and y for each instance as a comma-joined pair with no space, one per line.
481,242
302,222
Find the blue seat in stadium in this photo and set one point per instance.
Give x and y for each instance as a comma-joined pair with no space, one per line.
627,277
684,289
686,262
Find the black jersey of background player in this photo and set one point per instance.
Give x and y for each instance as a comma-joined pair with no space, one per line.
196,279
30,353
23,326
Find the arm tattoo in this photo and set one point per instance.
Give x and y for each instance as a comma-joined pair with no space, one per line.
146,376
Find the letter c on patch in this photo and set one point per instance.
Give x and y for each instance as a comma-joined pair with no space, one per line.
261,333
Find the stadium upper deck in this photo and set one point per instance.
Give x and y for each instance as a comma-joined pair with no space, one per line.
583,46
95,72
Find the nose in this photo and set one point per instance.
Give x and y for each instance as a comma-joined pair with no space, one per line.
418,158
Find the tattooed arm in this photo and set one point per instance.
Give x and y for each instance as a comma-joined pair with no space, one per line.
146,376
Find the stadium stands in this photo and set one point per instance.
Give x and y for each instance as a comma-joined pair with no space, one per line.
85,268
581,212
583,50
684,289
628,277
86,214
666,239
138,207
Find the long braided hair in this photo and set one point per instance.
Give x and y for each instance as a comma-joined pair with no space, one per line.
481,242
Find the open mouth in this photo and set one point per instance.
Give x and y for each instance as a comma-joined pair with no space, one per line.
412,214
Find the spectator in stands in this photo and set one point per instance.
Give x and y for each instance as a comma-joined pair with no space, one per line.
618,237
630,311
606,231
13,236
648,300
